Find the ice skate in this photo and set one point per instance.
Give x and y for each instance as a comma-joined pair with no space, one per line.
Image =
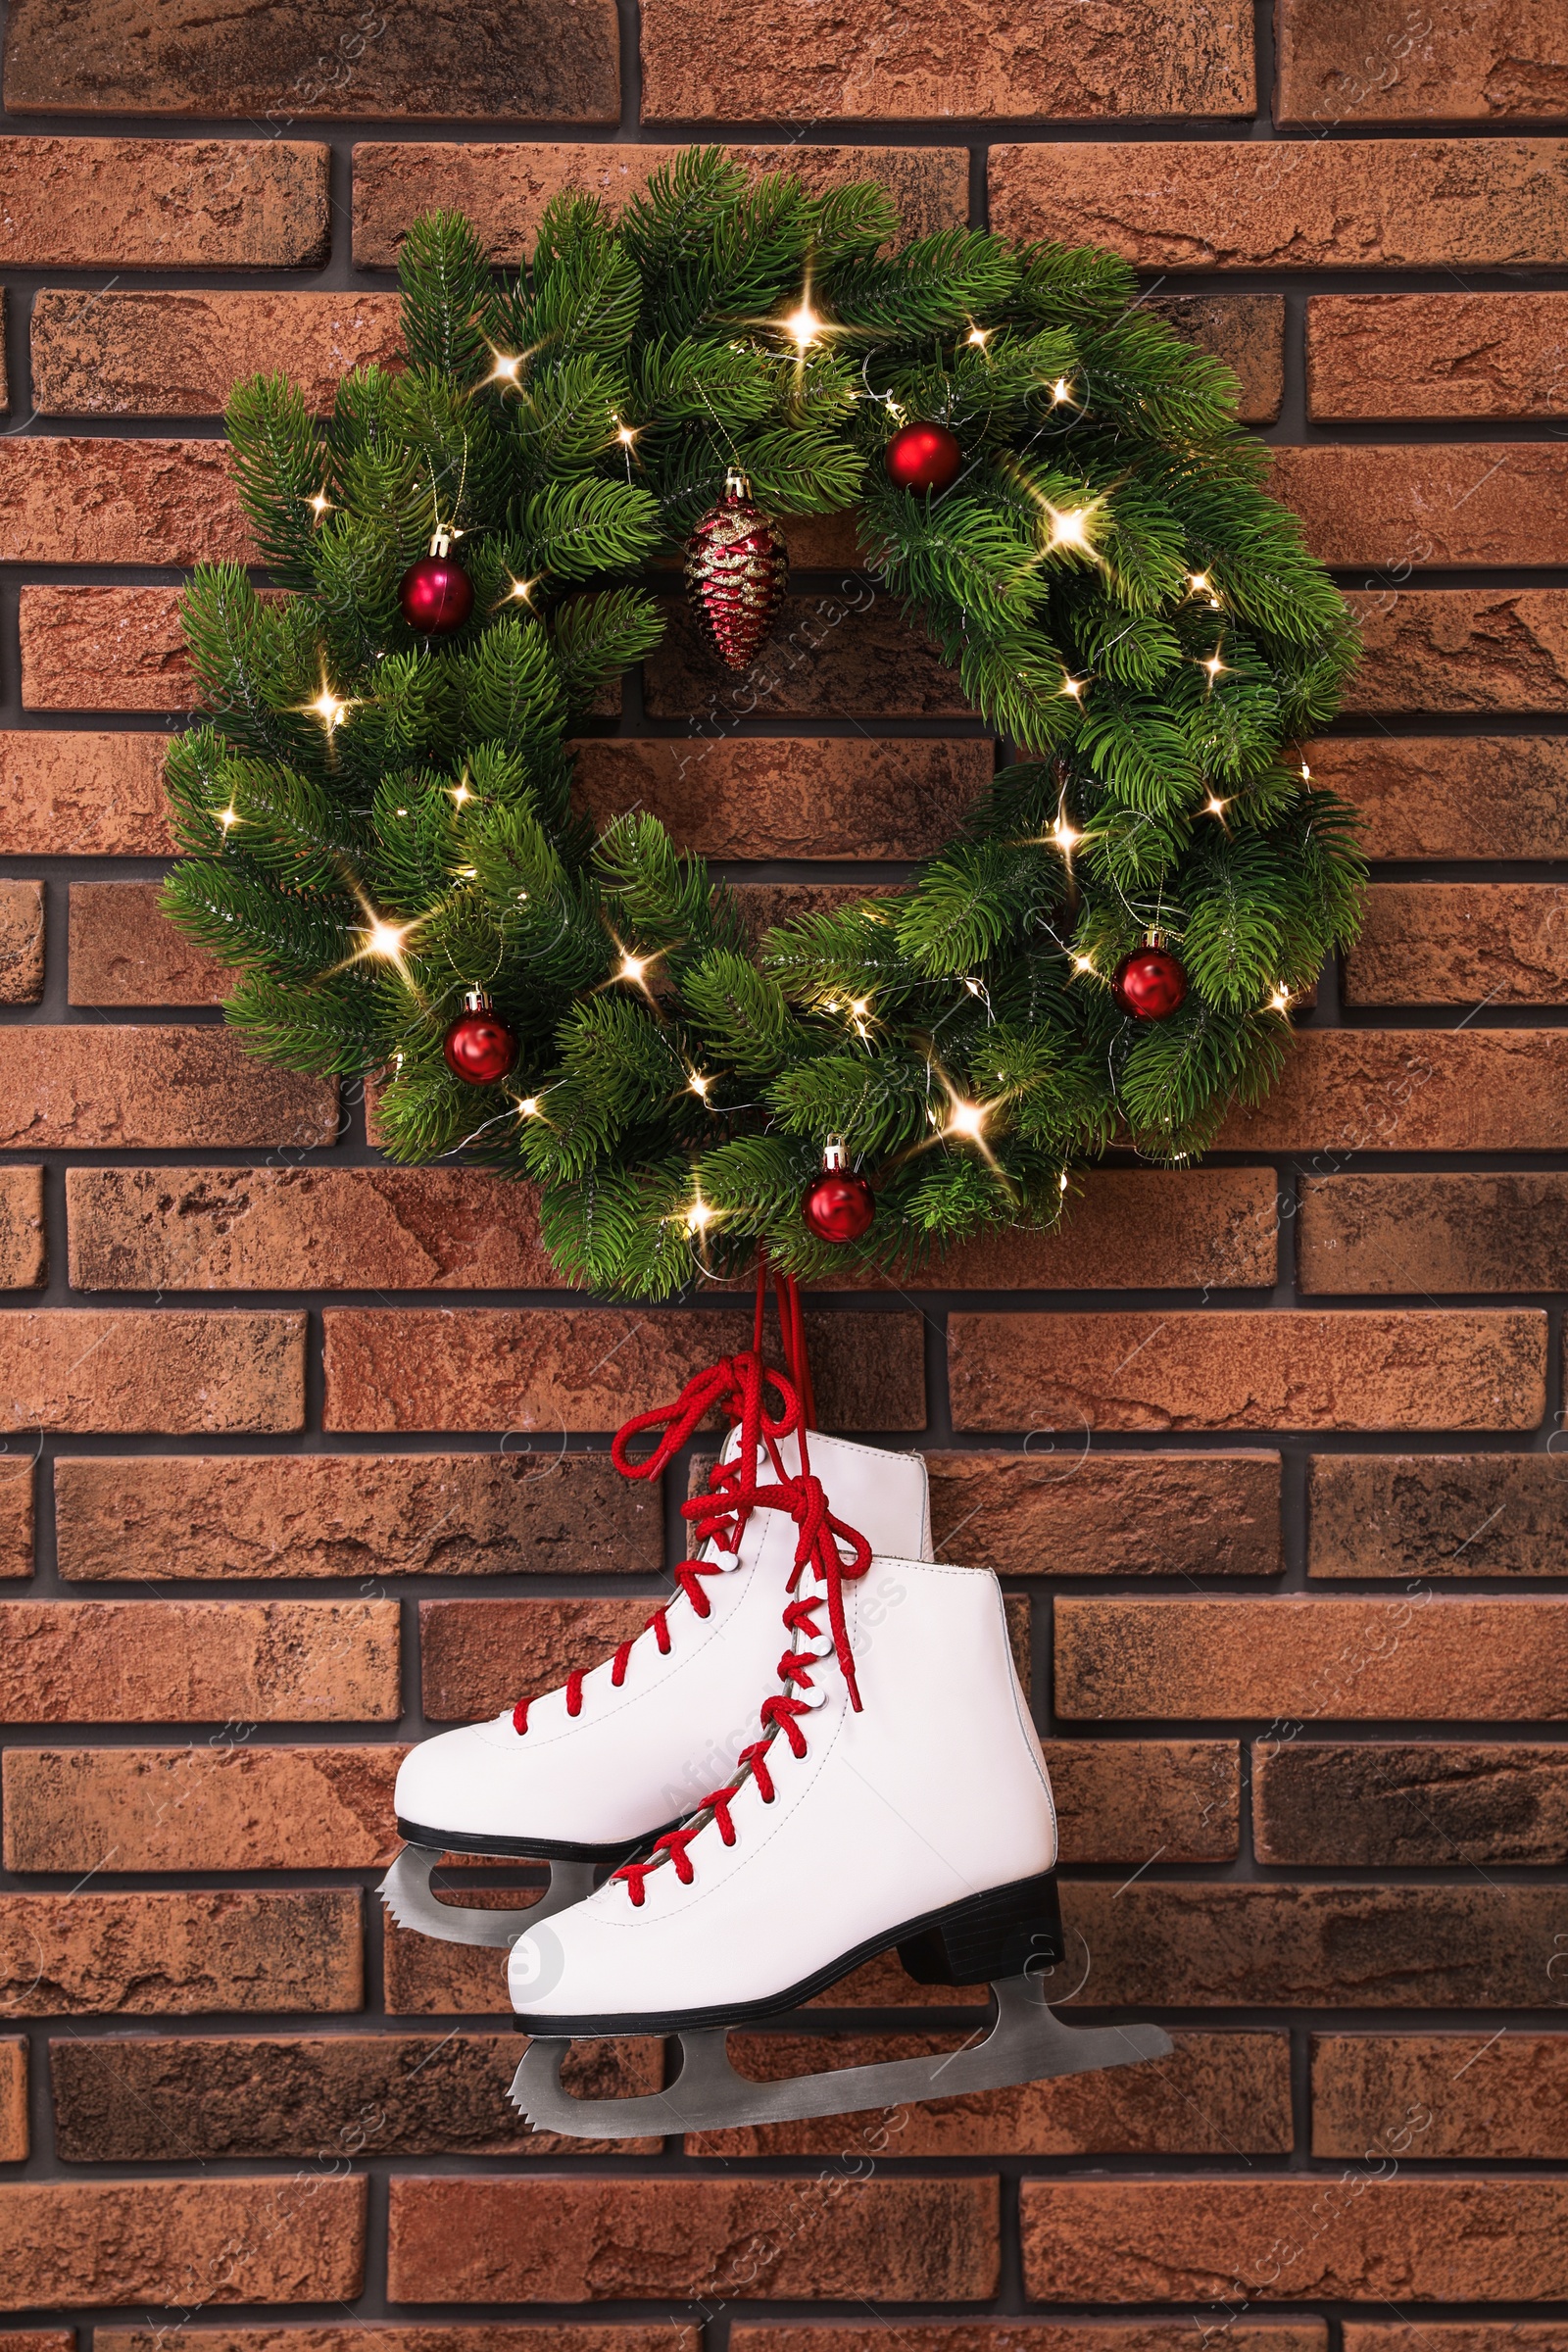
591,1772
897,1797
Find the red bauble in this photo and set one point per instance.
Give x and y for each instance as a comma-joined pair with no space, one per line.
478,1046
923,456
839,1207
1150,984
735,567
436,596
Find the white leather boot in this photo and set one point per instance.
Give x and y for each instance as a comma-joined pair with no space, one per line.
897,1797
618,1753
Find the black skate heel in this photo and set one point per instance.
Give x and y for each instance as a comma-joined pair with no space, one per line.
1007,1932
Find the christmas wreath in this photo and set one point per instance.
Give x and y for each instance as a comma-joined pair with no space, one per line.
377,820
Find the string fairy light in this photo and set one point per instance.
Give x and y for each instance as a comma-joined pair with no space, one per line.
803,326
1083,963
1215,806
979,336
698,1084
330,709
1069,526
228,817
461,795
1060,390
1280,1001
319,504
529,1107
1073,688
505,369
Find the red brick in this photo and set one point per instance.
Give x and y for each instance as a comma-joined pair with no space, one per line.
1465,355
289,1229
24,1244
1450,63
1125,1800
1216,2095
147,1088
13,2112
1060,1510
1441,503
1421,1515
1382,1369
40,2340
199,1661
209,1806
123,1371
967,61
750,797
1012,2336
542,64
103,649
1433,1233
1401,2240
827,657
366,1515
1245,330
1311,1660
478,1657
503,187
20,942
83,796
1375,1804
95,500
125,353
554,2335
16,1516
162,203
124,950
1444,796
1431,942
427,1978
1298,204
1418,1090
1463,2335
1460,1944
188,1955
550,1369
1460,650
1136,1229
299,2241
326,2097
454,2240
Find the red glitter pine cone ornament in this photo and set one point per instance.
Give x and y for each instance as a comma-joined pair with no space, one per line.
735,567
839,1206
480,1047
923,456
1150,984
436,595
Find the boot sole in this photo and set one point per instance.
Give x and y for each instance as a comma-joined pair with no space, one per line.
522,1848
1004,1931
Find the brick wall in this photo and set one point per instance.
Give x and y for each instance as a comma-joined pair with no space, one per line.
1264,1451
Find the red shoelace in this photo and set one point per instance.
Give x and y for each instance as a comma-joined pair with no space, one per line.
737,1386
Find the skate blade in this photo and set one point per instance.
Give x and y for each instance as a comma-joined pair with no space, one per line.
1027,2043
409,1897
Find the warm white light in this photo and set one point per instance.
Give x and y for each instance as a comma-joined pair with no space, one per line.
1070,530
1213,665
528,1107
1307,773
699,1216
1061,389
1214,807
968,1118
1280,1001
699,1085
328,709
1064,1179
227,818
979,336
860,1007
386,938
1073,687
1083,963
505,369
1064,837
460,793
319,504
975,988
1197,579
626,434
632,968
467,874
803,328
522,590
